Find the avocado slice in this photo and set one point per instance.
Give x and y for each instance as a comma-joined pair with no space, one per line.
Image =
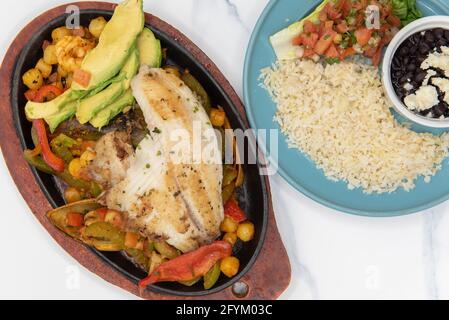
68,111
282,41
37,110
115,44
104,116
90,106
150,50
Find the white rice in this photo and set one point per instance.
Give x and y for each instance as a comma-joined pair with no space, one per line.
338,116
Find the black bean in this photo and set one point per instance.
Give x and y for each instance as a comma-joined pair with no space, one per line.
439,110
403,51
411,67
420,76
429,38
446,34
424,48
438,33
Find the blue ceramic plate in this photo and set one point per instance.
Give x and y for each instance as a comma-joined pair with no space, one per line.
294,166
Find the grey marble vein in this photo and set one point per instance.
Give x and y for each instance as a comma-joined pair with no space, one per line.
233,9
430,264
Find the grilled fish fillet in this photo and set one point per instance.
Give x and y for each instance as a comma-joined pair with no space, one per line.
172,188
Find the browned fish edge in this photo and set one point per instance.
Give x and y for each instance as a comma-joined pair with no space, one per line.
271,273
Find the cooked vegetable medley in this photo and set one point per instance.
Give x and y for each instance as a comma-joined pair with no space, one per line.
82,108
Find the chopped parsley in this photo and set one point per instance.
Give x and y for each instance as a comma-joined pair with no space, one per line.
332,60
157,130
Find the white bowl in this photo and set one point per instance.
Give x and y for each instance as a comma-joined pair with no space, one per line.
419,25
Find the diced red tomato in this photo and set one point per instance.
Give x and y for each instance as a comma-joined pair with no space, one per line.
310,40
324,43
82,77
332,52
345,8
102,213
348,52
310,27
322,16
370,52
75,219
394,21
363,36
308,53
342,27
377,56
297,41
332,11
233,211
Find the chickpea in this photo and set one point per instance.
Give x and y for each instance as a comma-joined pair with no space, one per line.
230,237
75,167
245,231
33,79
50,55
217,117
96,26
228,225
62,72
72,195
59,33
131,239
44,68
87,157
114,217
230,266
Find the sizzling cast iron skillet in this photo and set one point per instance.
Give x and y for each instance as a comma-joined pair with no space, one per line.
253,195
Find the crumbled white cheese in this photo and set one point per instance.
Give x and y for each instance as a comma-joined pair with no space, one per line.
430,74
438,60
408,86
443,84
424,98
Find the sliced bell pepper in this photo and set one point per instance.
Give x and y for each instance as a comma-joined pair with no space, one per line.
50,158
233,211
190,265
44,91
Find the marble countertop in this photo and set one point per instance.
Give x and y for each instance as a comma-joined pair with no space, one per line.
333,255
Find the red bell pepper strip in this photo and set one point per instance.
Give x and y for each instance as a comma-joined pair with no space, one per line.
50,158
44,91
31,95
189,265
75,219
233,211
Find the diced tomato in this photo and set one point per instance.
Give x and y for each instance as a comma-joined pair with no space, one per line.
377,56
348,52
308,53
323,16
297,41
310,27
102,213
324,43
363,36
75,219
233,211
393,20
342,27
345,8
31,95
82,77
332,12
370,52
309,40
332,52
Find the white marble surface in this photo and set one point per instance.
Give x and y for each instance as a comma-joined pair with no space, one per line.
334,256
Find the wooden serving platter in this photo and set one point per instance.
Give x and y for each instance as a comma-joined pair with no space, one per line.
269,276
